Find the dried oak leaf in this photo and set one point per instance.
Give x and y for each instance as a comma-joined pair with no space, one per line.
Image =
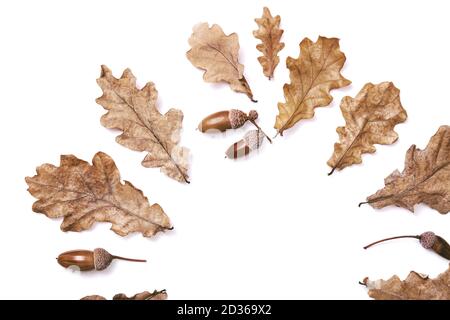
84,194
370,118
155,295
313,75
94,297
218,55
269,33
414,287
426,178
134,112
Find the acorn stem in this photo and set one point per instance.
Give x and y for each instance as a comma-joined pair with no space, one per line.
392,238
128,259
258,127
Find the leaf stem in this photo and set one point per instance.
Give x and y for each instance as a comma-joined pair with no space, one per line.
138,115
364,202
249,92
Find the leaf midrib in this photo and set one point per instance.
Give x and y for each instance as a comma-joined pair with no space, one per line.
361,131
312,84
413,186
158,140
223,55
87,194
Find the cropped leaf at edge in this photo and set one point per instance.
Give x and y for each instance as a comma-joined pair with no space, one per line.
425,179
415,287
155,295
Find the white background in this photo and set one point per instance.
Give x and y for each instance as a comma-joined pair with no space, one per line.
272,226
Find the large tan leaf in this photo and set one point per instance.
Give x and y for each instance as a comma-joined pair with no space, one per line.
218,55
269,33
84,194
134,112
313,74
426,177
369,118
414,287
155,295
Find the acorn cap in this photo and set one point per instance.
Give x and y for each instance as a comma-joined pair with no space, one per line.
102,259
427,239
253,139
237,118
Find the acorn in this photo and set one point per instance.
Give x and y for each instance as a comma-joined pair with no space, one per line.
86,260
224,120
252,141
428,240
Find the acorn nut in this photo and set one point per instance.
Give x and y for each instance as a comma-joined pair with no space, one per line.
86,260
224,120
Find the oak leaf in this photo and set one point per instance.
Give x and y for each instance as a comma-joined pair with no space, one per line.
426,178
134,112
83,194
218,55
370,118
414,287
155,295
313,74
269,33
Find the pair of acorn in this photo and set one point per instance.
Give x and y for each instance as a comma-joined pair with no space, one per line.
100,259
233,119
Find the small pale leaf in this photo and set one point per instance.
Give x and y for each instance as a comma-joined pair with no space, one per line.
269,33
218,55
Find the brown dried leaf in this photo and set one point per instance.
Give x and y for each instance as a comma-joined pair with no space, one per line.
155,295
134,112
313,75
94,297
84,194
414,287
369,118
269,33
426,178
218,55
